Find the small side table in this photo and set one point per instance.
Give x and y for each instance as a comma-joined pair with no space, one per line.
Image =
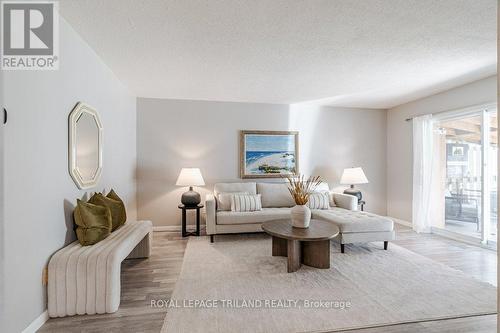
362,204
184,208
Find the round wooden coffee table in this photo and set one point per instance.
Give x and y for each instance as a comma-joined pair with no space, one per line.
310,246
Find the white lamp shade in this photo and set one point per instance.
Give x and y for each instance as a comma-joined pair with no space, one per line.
190,177
352,176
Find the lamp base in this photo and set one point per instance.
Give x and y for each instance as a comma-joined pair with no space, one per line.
355,192
190,198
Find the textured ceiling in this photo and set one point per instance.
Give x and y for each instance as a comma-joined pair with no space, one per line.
355,53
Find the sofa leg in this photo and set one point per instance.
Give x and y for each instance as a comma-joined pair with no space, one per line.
386,243
211,238
342,248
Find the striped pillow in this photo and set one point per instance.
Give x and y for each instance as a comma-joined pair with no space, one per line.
319,200
246,203
224,200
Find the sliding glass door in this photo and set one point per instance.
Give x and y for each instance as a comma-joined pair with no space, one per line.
466,162
490,233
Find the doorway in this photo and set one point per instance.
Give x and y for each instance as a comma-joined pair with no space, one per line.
466,148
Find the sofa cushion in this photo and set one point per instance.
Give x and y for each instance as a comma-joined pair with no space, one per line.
323,187
264,215
354,221
249,188
246,203
224,200
275,195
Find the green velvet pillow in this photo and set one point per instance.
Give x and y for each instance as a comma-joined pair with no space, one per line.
93,222
115,205
114,196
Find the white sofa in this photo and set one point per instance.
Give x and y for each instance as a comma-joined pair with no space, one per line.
355,226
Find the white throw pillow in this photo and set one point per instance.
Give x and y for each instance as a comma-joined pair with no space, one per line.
246,203
319,200
224,200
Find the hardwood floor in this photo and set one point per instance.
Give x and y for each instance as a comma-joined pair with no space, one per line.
154,278
142,280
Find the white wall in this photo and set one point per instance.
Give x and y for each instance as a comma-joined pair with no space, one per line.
40,193
172,134
399,137
2,193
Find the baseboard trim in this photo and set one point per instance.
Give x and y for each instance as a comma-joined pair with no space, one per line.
451,235
173,228
402,222
37,323
462,238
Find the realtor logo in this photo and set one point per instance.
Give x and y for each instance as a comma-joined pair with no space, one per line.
30,35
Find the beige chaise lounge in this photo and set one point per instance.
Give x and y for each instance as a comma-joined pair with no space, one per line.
355,226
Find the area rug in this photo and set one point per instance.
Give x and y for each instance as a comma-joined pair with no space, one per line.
235,285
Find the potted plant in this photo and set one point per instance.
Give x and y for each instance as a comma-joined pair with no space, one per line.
300,189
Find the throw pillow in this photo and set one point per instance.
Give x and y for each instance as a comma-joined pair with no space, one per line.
93,222
112,195
246,202
224,200
319,200
115,204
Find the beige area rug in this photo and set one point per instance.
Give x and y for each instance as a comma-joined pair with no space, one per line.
235,285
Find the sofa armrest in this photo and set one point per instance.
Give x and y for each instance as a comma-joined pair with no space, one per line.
211,213
345,201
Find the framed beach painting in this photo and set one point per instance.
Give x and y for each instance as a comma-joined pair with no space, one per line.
268,154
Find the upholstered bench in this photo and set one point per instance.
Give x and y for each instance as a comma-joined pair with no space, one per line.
86,279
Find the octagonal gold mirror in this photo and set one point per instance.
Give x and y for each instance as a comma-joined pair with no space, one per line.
85,146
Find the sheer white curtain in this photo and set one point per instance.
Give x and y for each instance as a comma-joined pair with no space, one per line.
423,156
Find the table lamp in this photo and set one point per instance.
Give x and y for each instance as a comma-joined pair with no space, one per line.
190,177
353,176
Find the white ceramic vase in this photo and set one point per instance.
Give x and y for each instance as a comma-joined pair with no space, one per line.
301,216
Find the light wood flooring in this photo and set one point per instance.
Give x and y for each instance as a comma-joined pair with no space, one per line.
154,278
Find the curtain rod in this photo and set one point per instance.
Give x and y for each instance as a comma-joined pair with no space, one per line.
469,108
